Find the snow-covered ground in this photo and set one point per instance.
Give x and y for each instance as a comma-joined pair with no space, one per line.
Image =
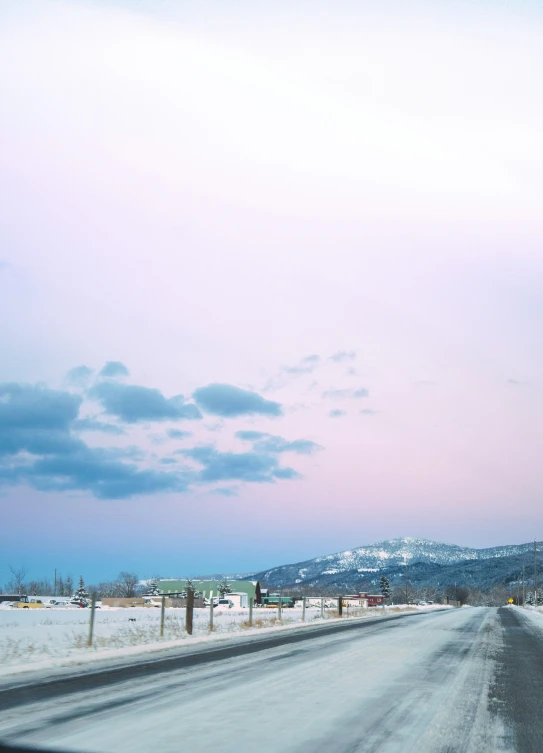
418,684
49,637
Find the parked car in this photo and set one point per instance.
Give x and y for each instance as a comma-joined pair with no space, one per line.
225,604
28,602
56,603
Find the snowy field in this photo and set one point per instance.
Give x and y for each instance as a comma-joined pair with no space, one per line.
31,637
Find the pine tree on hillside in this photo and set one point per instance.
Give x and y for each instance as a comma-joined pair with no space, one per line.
153,588
81,593
223,587
384,586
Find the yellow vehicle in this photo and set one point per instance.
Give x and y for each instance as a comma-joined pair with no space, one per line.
27,602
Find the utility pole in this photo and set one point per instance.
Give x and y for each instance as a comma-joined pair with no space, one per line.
55,591
535,572
91,624
523,585
406,579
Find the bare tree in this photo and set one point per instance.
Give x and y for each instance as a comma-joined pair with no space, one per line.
19,575
128,583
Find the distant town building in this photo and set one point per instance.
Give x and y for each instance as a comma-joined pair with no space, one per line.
210,588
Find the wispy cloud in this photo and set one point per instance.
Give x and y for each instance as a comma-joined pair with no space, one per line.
343,394
256,467
226,491
277,445
337,413
306,365
178,434
343,355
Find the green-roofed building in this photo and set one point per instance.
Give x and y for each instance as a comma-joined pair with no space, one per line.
210,588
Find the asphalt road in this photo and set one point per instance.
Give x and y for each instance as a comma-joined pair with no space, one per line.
460,681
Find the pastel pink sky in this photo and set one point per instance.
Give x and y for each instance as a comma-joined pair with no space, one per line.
210,193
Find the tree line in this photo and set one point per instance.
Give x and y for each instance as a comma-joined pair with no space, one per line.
126,584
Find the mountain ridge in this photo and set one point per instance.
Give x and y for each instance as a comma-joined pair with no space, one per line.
383,556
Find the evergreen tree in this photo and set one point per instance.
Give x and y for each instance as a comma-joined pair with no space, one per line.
81,593
384,586
189,586
223,586
153,588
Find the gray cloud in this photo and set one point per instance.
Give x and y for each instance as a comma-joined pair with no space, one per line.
27,406
114,369
244,466
100,472
79,376
343,355
336,413
92,424
251,436
277,445
228,401
225,491
368,412
132,403
39,449
178,434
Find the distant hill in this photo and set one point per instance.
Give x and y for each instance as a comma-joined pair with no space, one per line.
430,564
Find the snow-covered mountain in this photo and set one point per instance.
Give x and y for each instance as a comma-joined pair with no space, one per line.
383,556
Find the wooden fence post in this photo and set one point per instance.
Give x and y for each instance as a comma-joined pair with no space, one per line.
190,611
162,610
91,625
251,600
279,608
322,607
211,603
303,608
340,606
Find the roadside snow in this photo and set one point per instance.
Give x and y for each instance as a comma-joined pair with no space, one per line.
32,639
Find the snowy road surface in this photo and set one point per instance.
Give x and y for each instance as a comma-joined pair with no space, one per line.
466,681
